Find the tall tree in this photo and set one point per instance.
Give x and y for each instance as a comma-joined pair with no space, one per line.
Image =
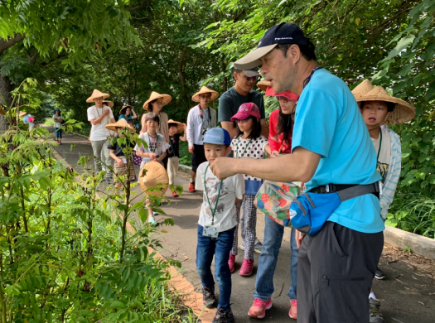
73,29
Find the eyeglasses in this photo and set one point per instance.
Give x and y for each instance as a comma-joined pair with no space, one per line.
244,120
279,98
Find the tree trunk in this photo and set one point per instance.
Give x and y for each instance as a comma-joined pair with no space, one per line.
5,99
5,84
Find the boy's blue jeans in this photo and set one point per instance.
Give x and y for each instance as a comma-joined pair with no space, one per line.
220,248
273,233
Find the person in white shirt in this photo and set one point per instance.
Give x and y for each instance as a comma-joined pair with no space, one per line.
216,225
199,120
99,116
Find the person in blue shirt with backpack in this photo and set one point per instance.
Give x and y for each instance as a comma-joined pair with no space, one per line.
341,232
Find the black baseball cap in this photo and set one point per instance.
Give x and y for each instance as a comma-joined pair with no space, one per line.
284,33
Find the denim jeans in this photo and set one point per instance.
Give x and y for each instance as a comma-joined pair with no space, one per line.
273,233
58,132
220,248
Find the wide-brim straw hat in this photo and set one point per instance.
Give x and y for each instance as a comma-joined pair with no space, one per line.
124,107
154,175
362,89
205,90
263,85
179,125
97,94
120,124
403,111
109,103
155,96
22,113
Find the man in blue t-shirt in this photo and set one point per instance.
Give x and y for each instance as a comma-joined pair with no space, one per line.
330,145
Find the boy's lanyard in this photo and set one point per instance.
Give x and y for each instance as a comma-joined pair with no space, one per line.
149,143
208,200
379,149
237,148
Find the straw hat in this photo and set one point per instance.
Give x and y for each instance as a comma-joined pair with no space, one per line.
363,88
263,84
179,125
97,94
155,96
22,114
109,103
151,175
124,107
120,124
204,90
403,111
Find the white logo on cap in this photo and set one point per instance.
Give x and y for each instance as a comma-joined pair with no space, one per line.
281,38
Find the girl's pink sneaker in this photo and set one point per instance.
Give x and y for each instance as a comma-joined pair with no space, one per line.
293,313
247,266
258,309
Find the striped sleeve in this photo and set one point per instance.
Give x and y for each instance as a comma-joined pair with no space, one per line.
390,185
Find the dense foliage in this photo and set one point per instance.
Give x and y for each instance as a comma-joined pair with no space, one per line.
66,255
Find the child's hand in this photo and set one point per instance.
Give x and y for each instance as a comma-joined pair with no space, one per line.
275,153
120,162
153,156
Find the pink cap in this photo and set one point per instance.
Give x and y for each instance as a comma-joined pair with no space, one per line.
288,94
246,110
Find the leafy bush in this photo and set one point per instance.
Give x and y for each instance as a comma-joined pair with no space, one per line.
66,255
413,206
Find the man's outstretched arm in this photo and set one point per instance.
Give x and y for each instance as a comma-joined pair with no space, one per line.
298,166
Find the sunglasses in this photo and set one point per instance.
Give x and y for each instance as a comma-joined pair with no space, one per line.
252,78
279,98
244,120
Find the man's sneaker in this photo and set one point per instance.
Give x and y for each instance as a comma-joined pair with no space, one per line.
192,187
258,246
293,313
258,309
208,297
232,263
375,313
379,274
247,266
223,317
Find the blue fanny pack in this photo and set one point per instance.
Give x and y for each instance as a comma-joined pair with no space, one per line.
309,211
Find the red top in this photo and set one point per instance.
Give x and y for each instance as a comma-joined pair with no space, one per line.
274,140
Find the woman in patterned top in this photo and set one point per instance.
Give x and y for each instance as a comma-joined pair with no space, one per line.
248,143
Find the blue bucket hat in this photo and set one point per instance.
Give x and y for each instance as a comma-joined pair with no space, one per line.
217,136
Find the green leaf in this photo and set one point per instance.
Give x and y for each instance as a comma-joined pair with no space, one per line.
45,183
143,215
401,45
118,305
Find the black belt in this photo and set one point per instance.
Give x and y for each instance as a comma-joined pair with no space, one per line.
332,188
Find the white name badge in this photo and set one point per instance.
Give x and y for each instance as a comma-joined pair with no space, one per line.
210,231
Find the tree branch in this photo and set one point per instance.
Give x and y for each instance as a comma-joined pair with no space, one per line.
5,44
